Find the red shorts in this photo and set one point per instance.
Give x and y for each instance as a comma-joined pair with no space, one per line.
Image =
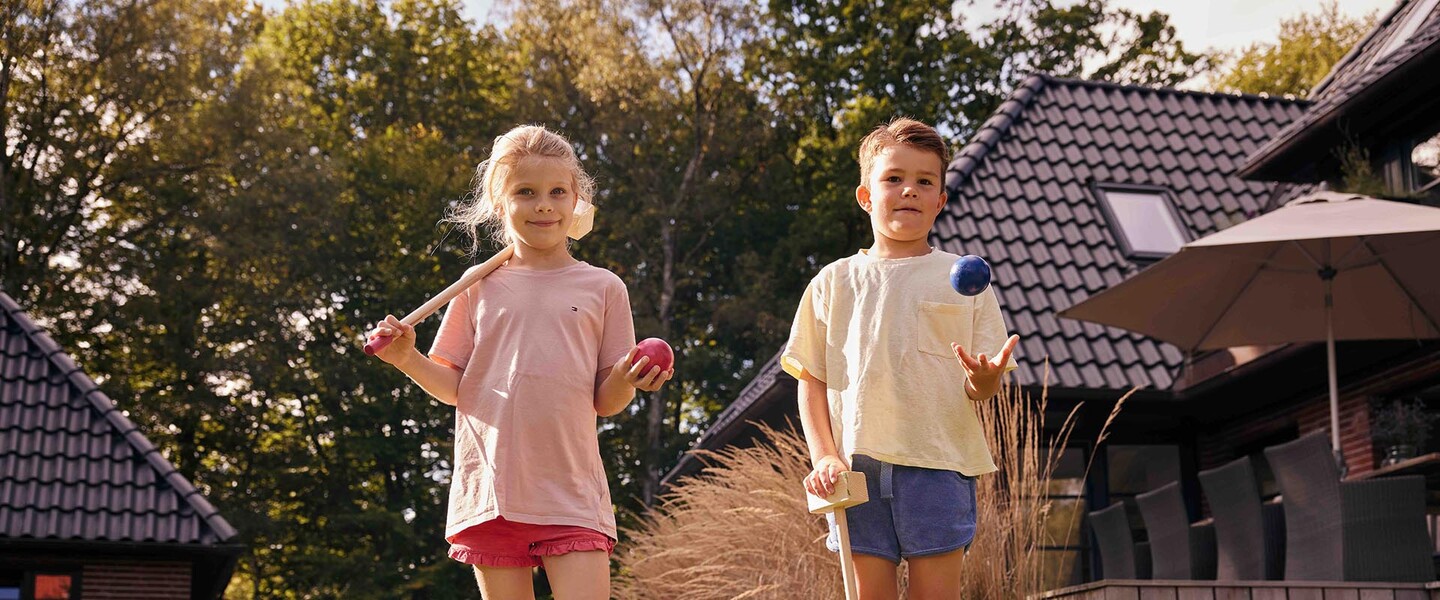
503,543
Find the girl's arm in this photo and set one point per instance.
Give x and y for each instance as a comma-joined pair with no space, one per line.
616,385
440,380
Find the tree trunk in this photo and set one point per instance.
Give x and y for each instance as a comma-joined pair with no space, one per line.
655,405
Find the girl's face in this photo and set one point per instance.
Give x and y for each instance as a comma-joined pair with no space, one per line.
539,202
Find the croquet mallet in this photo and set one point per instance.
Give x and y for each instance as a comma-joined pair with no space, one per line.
583,221
849,491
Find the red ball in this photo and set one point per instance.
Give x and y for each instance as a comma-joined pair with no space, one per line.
659,352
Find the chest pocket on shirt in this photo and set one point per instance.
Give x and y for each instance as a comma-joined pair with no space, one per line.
942,324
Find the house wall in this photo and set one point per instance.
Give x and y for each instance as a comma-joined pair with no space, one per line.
135,580
1246,434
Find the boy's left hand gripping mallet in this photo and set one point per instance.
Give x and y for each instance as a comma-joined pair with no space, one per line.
584,221
849,491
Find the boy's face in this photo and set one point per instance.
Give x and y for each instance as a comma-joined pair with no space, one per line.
903,193
539,202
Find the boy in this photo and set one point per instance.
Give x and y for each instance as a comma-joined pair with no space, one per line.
871,345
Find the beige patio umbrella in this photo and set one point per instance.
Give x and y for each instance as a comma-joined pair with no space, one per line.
1326,266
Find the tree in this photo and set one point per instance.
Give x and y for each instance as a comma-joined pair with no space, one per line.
209,206
1309,45
211,203
672,133
1090,40
375,113
832,70
84,90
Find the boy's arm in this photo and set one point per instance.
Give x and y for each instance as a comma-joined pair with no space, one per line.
819,438
983,373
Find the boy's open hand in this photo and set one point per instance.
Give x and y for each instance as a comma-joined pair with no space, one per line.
984,373
640,378
821,481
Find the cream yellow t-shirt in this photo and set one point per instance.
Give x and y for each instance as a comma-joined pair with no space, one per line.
877,331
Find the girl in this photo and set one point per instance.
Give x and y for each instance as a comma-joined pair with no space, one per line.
529,357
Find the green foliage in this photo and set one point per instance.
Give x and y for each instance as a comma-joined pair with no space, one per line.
1309,45
1401,422
834,69
208,203
1126,47
1357,172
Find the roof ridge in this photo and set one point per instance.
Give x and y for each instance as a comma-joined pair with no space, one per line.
1176,91
1388,69
993,129
1381,24
125,428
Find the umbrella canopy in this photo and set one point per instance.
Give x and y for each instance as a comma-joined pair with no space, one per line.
1326,266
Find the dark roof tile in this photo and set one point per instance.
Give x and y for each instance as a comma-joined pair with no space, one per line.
72,466
1061,249
1360,70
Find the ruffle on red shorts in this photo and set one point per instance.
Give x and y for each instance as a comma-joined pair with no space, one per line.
471,557
559,548
503,543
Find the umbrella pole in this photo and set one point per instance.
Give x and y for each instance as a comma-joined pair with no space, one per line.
1329,277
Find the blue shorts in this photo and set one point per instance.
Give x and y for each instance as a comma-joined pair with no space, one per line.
912,512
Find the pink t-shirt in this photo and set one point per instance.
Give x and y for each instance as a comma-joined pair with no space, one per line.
531,344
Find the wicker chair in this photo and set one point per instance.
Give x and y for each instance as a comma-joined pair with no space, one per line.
1356,530
1116,542
1178,550
1249,535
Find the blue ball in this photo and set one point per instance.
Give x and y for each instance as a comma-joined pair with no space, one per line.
970,275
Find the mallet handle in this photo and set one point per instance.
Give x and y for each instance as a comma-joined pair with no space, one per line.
377,342
847,560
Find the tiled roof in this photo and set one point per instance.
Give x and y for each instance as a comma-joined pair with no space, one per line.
1364,69
1021,198
72,466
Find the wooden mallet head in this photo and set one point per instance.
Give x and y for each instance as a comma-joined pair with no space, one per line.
849,491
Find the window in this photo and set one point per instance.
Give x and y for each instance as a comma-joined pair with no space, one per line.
39,583
52,586
1143,219
1425,161
1062,550
11,580
1412,21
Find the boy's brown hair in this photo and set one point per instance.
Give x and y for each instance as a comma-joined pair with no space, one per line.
901,131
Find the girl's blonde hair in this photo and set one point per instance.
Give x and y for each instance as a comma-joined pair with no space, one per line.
482,208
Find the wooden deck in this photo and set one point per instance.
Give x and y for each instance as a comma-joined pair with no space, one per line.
1130,589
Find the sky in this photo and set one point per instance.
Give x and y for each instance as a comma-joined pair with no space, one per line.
1201,24
1234,24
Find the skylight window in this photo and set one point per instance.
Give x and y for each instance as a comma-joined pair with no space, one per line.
1413,20
1144,220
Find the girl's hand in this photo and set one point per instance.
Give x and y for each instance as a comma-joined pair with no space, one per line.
984,374
821,480
637,376
402,347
